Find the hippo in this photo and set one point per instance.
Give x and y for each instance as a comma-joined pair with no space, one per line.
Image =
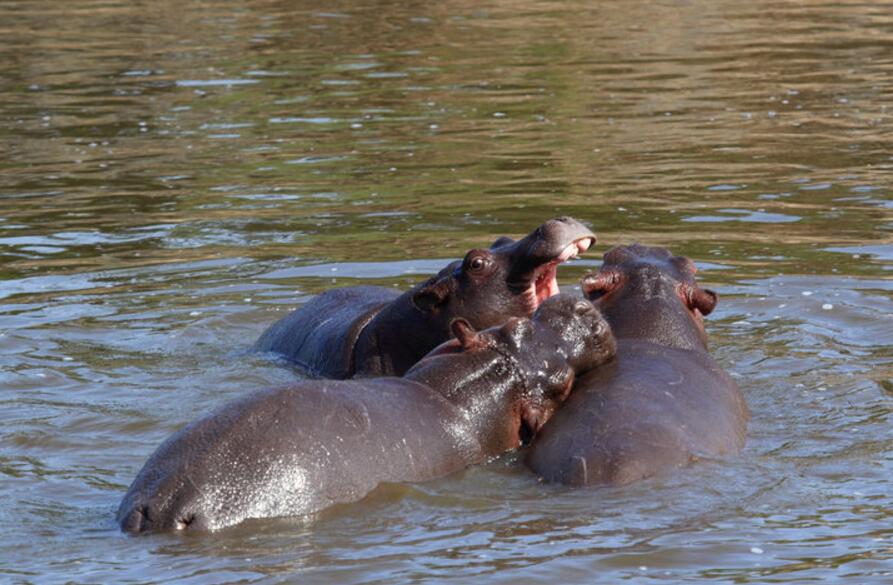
375,331
663,401
298,449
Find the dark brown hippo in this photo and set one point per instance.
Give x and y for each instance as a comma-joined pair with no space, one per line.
302,448
375,331
664,401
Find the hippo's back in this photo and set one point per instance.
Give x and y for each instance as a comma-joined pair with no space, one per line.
654,408
296,450
320,335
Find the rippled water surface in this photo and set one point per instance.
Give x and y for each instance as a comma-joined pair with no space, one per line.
174,176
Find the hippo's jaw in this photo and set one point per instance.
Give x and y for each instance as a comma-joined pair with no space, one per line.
542,280
534,414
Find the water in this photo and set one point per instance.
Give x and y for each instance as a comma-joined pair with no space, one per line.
174,178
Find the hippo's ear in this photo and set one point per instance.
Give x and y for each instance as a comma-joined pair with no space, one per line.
502,241
465,333
702,299
432,295
684,264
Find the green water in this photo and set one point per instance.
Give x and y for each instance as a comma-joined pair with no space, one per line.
176,176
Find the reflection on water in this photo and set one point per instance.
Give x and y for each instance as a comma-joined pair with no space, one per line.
172,180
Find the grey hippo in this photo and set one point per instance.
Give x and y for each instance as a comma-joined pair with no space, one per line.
664,401
376,331
299,449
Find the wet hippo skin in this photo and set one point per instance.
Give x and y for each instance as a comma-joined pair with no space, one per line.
375,331
299,449
663,401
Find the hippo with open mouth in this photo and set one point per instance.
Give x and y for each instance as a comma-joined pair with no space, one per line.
664,401
301,448
376,331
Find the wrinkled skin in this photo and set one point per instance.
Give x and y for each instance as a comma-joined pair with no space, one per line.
299,449
374,331
664,401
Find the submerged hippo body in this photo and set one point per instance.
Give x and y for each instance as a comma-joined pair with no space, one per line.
374,331
664,401
320,336
299,449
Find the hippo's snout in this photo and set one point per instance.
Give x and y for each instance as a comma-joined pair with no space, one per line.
569,230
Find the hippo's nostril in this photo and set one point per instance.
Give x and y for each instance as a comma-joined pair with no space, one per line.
583,307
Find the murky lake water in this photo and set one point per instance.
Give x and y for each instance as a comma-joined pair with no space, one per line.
174,176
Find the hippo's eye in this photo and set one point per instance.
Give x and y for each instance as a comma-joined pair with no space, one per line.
478,263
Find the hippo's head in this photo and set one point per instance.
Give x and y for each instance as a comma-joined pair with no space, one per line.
566,337
525,365
509,279
647,293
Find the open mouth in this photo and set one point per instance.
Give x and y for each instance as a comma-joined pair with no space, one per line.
544,284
